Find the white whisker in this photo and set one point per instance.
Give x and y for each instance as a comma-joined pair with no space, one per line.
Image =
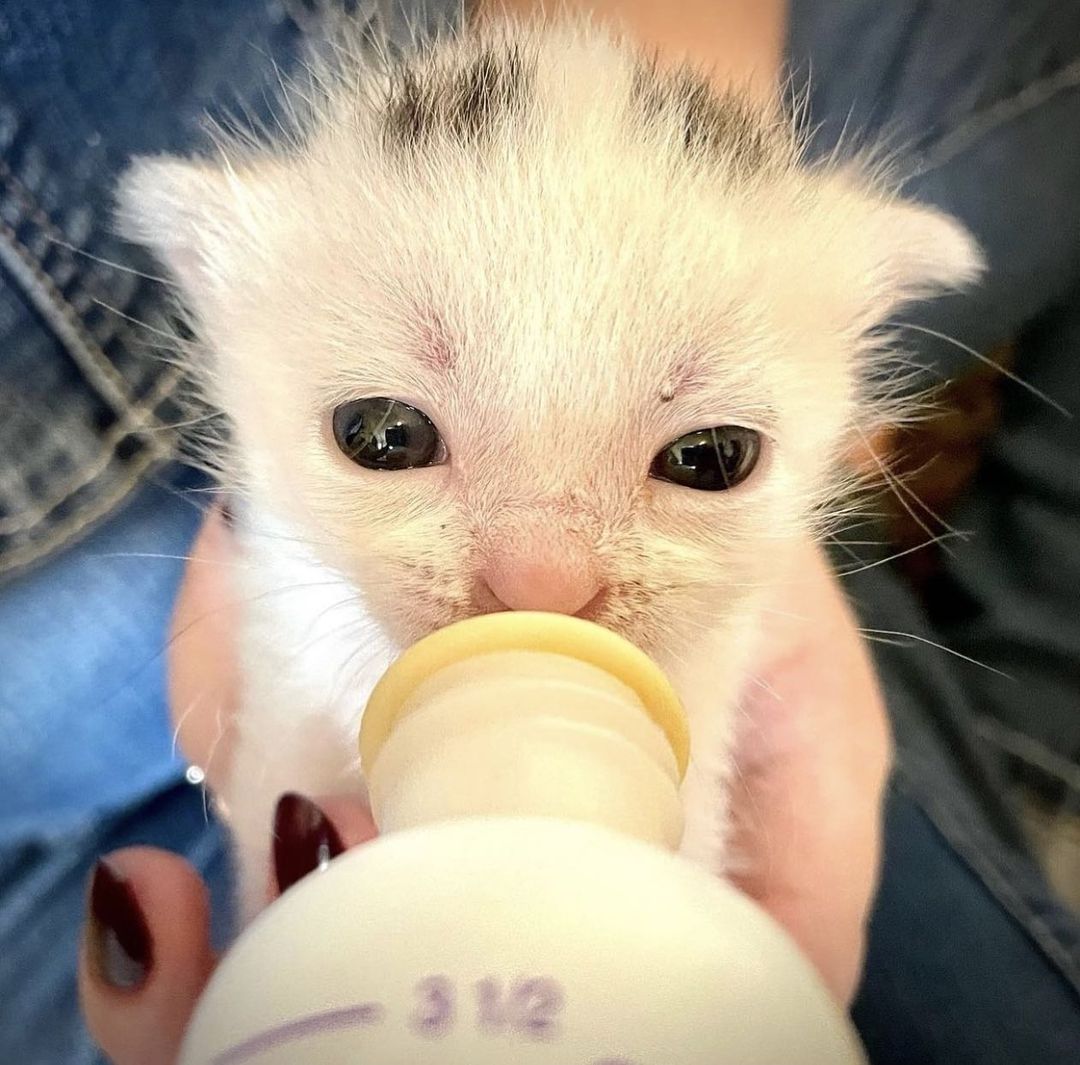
109,262
1003,370
870,634
901,554
900,490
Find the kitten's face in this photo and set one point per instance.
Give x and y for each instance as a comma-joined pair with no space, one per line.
564,290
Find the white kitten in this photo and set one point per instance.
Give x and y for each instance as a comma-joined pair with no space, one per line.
560,263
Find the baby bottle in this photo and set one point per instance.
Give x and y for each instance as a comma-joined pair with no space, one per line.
523,903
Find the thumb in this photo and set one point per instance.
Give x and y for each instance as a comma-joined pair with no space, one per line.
145,955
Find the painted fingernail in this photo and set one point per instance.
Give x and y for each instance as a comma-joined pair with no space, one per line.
118,940
304,839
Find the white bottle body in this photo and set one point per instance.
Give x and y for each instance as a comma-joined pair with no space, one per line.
523,940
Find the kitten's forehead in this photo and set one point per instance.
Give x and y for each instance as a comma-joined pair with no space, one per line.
562,311
577,289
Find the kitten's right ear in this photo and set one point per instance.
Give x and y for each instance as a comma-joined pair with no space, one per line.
182,210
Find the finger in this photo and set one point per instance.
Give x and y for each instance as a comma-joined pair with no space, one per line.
202,664
806,802
351,817
309,833
145,955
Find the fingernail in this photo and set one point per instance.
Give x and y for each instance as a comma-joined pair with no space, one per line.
304,839
118,939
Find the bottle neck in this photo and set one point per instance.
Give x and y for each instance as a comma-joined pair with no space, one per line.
527,733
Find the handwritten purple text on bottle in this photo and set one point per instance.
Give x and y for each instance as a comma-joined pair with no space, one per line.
436,1008
528,1007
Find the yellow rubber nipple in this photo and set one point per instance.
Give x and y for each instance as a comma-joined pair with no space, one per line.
516,630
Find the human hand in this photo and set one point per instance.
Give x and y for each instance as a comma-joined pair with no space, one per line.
812,759
146,956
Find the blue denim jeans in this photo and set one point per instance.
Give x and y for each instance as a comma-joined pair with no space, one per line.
87,760
971,959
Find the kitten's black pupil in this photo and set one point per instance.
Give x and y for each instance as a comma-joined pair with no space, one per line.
385,434
709,459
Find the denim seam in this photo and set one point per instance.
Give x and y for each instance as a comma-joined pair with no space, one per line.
63,532
967,133
66,324
93,466
969,847
88,355
62,319
34,211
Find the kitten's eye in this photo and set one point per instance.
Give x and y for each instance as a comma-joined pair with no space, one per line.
709,459
386,434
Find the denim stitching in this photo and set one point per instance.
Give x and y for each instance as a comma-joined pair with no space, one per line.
33,209
94,465
967,133
44,295
62,532
63,319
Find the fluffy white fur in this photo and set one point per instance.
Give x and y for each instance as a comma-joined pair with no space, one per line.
563,297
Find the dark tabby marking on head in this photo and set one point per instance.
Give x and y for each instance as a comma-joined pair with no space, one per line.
712,125
462,104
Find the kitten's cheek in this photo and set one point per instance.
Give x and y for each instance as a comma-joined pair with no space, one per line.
202,673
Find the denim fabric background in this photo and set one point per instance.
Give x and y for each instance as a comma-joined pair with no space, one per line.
85,405
983,102
971,958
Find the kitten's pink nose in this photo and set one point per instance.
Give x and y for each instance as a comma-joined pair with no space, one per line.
562,586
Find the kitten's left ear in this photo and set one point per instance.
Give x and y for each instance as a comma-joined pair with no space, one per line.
186,213
913,252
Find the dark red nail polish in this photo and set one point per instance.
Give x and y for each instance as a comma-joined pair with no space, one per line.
118,940
304,839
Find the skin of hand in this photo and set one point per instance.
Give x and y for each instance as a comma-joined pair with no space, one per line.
812,761
734,41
